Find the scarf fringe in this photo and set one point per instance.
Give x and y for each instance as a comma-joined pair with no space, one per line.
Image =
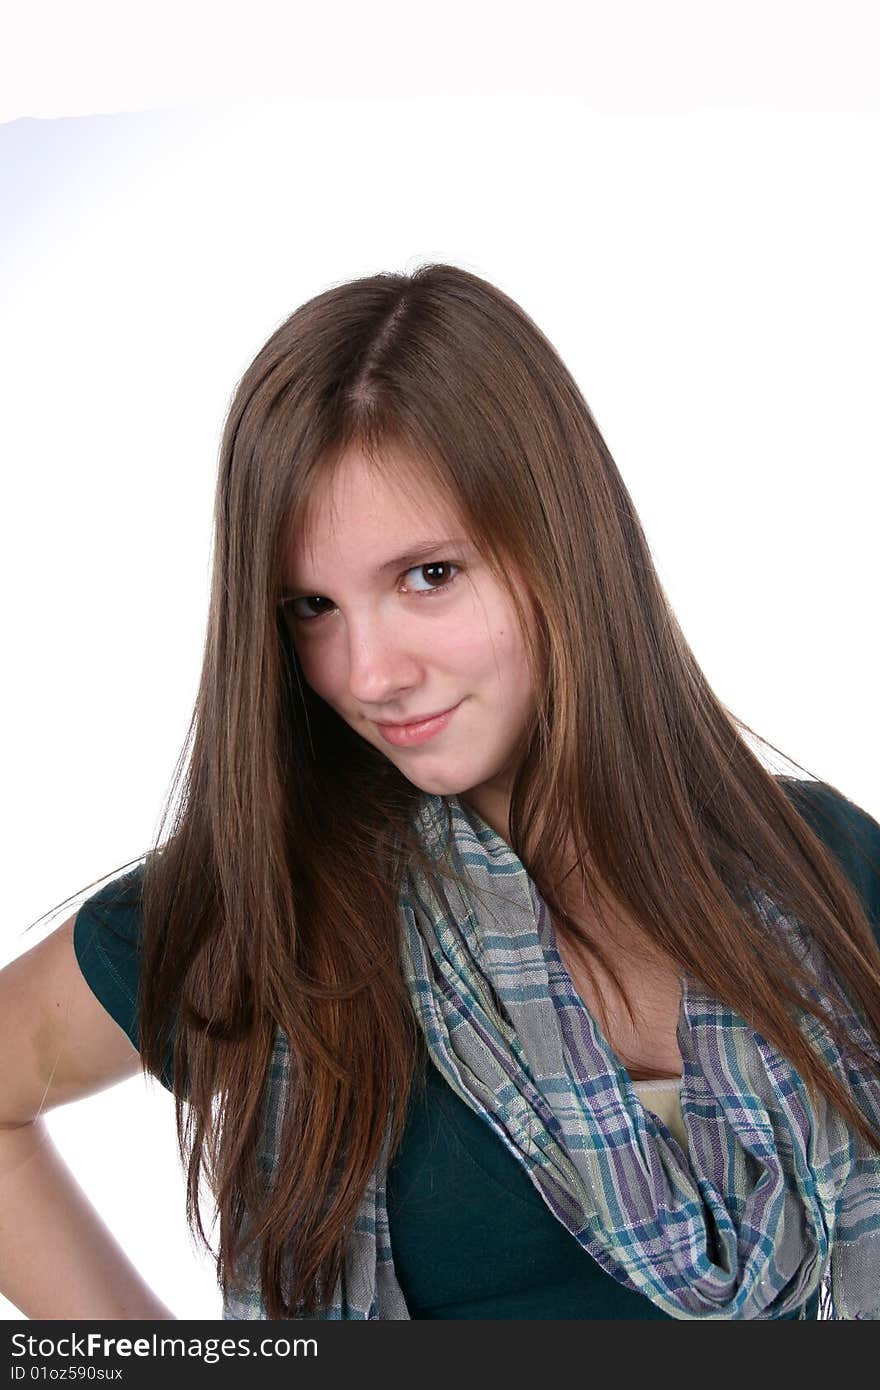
827,1309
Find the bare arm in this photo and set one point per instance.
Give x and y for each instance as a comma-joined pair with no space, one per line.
57,1043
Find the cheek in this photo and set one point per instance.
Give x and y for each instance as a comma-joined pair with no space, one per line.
511,672
485,643
317,668
506,653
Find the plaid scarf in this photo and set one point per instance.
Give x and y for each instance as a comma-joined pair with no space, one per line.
774,1199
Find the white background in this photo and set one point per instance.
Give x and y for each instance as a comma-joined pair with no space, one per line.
686,199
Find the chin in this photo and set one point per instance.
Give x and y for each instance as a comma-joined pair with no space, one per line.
437,783
436,786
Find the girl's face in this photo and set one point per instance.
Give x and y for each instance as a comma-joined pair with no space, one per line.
394,617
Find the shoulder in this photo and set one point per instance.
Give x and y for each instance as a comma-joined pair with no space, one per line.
111,917
122,895
848,831
106,942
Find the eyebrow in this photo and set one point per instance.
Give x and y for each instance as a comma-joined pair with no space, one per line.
415,552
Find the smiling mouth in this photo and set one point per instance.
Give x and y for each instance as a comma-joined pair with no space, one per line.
417,730
417,719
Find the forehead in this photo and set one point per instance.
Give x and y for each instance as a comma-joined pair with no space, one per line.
368,507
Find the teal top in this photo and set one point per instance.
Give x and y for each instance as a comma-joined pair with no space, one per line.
472,1237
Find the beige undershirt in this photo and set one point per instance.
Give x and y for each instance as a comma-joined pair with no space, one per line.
664,1098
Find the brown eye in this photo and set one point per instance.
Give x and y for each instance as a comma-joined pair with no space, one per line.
434,566
305,614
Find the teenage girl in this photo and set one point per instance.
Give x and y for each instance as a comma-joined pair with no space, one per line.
492,972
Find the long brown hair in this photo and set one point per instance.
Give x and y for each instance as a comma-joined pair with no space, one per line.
270,896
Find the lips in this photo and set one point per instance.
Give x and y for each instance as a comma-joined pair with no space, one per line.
417,730
416,719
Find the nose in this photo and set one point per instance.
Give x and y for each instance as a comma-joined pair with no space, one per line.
380,663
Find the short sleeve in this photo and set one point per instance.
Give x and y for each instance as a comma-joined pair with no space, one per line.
849,832
107,945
